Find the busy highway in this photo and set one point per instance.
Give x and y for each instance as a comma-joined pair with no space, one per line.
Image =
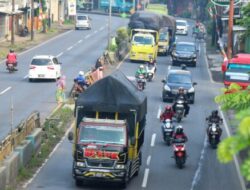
158,171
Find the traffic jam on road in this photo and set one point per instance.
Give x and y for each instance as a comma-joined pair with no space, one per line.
151,124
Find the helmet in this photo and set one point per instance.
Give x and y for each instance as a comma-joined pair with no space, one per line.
151,60
141,67
215,113
181,90
11,50
81,73
179,129
168,108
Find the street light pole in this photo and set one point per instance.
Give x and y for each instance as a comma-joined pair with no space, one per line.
109,25
12,23
32,21
230,29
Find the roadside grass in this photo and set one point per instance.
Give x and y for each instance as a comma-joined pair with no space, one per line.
54,129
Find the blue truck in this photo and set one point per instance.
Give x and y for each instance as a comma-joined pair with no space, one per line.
119,6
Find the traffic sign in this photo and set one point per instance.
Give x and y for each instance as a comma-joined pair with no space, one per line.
224,2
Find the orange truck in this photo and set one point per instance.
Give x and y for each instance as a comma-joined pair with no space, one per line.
237,70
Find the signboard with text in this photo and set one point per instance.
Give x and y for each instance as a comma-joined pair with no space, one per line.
72,7
224,2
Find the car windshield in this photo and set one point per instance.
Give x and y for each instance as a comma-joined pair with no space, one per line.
81,18
179,23
179,78
145,40
102,134
239,66
163,36
185,47
41,62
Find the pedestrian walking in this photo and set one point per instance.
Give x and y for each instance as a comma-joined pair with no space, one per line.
60,91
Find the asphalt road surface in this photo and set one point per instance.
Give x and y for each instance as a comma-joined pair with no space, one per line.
158,171
77,50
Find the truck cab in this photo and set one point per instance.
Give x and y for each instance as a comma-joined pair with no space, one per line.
144,44
164,40
237,70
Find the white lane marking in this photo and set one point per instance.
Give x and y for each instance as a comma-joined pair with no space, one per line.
26,76
87,36
131,78
198,170
80,41
69,48
95,31
102,28
7,89
60,54
145,178
236,161
148,160
121,62
169,67
46,160
153,140
159,112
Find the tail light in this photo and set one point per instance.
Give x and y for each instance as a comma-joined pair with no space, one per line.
50,68
179,154
32,67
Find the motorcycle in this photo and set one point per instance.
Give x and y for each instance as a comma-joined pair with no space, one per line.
167,131
77,89
150,69
141,82
180,154
214,135
11,67
179,110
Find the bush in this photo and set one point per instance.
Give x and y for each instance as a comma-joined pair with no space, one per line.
121,35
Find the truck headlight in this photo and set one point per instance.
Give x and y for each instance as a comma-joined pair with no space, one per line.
119,166
80,164
166,88
190,90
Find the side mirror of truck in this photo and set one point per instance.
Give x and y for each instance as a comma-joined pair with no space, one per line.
70,136
132,142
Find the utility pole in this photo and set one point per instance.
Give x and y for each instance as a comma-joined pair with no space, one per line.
32,21
13,23
109,25
230,29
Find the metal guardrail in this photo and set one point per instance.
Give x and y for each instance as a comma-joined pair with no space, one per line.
19,134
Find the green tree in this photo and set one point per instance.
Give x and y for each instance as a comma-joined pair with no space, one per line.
245,20
45,20
237,99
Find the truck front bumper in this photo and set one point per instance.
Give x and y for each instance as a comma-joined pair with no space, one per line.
90,174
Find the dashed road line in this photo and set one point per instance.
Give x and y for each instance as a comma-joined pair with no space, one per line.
69,48
7,89
148,160
145,178
102,28
26,76
153,140
60,54
80,41
87,36
95,31
159,112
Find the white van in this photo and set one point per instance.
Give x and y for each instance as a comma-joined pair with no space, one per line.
82,21
181,27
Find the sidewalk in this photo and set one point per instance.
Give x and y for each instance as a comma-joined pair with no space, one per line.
24,43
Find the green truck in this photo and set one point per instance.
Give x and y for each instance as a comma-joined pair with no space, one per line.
109,131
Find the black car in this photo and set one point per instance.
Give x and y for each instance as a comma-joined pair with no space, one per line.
184,52
176,79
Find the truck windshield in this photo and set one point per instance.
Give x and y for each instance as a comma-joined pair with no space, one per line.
102,134
239,66
145,40
163,36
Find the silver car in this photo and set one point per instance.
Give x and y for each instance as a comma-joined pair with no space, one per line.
82,21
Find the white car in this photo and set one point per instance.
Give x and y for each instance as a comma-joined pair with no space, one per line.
181,27
44,67
82,21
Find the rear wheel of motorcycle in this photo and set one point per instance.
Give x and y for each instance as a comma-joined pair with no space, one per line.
178,119
168,142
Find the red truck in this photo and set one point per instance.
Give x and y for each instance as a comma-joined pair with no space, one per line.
237,70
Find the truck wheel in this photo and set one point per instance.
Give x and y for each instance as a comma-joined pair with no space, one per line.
140,161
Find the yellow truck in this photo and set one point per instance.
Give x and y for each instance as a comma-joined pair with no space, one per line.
163,46
144,44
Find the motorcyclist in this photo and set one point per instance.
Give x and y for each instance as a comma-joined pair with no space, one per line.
214,118
182,95
179,136
81,80
167,114
141,70
11,58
